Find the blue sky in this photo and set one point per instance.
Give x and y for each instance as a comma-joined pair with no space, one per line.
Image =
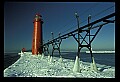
57,17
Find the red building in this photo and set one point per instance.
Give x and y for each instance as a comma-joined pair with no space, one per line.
23,49
37,40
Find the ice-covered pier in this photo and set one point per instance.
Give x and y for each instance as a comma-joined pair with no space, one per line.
29,65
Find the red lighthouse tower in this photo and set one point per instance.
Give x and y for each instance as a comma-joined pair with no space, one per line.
37,35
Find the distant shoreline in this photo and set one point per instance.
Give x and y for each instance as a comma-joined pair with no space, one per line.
101,51
10,52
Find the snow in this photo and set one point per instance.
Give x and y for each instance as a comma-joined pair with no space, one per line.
29,65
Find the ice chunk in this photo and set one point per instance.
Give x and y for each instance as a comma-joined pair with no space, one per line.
76,67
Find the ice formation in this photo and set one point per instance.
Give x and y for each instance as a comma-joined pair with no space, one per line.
29,65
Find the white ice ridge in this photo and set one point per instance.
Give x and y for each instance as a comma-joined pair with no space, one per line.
29,65
101,51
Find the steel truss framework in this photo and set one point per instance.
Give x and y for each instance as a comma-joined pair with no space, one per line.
46,48
56,44
77,34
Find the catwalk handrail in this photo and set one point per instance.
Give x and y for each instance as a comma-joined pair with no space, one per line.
81,28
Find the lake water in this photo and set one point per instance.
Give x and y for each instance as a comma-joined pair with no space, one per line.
105,59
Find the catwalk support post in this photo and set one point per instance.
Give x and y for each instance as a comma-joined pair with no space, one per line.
76,67
56,44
